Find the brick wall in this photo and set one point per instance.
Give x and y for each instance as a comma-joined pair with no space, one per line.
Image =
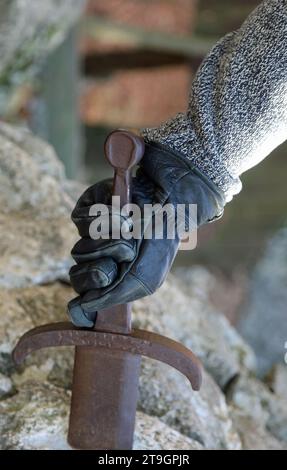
139,97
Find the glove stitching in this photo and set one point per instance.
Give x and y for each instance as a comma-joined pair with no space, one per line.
107,275
146,288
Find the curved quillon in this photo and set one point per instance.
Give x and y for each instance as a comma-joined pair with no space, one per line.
138,342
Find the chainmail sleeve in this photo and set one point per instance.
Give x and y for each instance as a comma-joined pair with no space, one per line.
237,111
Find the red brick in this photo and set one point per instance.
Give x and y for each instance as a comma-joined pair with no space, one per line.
160,15
136,98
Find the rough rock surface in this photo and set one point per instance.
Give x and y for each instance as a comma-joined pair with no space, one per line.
183,311
258,402
277,380
36,231
263,322
254,435
233,410
202,417
208,418
23,309
6,386
29,30
37,419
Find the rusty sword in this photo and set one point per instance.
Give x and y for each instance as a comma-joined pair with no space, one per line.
108,357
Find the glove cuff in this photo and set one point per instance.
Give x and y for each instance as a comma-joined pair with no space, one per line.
178,181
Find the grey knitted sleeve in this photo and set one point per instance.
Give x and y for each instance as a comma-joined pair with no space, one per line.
237,111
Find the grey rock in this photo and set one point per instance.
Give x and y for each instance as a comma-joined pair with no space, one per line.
23,309
164,393
152,434
202,416
30,176
40,152
181,309
36,231
277,380
263,323
254,436
37,305
6,386
199,419
256,401
37,419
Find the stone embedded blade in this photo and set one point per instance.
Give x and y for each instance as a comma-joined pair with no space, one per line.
107,358
105,381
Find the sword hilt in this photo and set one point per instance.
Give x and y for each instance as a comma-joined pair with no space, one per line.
123,150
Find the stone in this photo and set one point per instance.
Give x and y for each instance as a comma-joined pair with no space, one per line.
203,416
277,380
184,317
23,309
257,402
31,176
186,412
37,419
263,317
36,231
40,152
6,386
152,434
253,435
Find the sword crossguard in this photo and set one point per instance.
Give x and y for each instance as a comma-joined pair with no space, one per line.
105,378
138,343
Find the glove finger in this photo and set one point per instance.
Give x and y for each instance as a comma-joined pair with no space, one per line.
87,250
142,277
97,193
143,189
128,290
102,222
77,315
95,275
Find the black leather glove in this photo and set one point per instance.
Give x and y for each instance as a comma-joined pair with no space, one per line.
110,272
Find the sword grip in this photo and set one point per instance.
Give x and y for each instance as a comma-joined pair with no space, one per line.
105,380
123,151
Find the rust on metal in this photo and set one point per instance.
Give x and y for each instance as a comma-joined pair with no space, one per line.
105,379
117,319
103,407
138,342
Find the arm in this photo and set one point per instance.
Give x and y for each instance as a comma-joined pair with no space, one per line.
237,112
237,115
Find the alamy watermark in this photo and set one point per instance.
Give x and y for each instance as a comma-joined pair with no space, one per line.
155,221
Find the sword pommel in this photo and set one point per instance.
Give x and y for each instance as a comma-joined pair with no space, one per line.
123,149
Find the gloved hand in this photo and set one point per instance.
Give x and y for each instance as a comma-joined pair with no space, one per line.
110,272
